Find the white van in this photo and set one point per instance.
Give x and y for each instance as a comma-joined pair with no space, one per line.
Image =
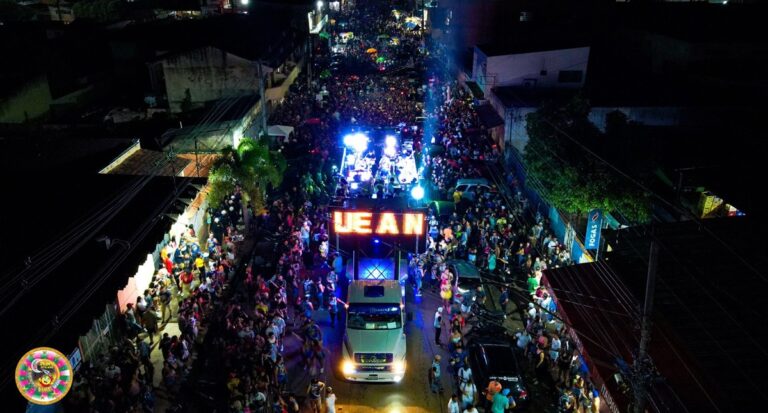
374,339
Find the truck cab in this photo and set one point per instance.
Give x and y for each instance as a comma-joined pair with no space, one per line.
374,338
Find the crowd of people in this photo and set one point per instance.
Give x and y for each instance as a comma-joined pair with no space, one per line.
249,318
190,285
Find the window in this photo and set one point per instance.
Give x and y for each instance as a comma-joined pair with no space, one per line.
570,76
374,317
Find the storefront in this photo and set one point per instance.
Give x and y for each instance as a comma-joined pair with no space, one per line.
594,322
104,328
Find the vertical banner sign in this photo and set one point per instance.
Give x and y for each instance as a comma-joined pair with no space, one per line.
594,225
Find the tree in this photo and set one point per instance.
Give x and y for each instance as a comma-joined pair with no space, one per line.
11,12
571,179
252,167
99,10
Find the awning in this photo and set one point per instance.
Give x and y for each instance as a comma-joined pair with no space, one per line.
280,130
488,116
477,92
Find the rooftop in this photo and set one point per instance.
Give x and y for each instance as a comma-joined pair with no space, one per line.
529,39
697,22
88,275
269,36
705,342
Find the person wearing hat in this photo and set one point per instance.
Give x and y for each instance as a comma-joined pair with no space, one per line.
500,402
330,400
438,324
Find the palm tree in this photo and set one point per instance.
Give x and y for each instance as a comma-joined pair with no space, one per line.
252,167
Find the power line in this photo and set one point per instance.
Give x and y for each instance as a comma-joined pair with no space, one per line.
637,183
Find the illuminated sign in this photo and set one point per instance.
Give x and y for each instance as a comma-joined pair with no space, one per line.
379,223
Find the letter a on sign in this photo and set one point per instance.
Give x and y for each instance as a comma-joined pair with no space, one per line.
387,224
413,224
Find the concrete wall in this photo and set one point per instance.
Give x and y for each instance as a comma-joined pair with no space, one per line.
649,116
209,74
539,69
31,101
516,134
277,93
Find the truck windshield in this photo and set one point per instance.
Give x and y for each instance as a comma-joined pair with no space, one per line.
374,317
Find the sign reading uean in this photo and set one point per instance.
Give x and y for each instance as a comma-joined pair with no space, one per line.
379,223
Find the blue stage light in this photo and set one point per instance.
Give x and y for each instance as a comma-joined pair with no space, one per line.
357,141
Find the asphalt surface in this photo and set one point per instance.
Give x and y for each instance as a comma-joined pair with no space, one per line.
410,395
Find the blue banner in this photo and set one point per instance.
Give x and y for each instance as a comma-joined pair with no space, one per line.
594,225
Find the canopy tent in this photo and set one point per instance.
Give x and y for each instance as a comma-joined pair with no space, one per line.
280,130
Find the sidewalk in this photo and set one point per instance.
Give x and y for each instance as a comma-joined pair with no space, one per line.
164,399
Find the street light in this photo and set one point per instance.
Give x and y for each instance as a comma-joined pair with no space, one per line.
417,193
319,5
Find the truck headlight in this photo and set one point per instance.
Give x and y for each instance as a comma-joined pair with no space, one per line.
348,367
398,367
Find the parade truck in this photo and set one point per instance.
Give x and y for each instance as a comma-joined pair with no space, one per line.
374,338
376,235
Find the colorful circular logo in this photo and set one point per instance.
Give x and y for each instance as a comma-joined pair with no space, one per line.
44,375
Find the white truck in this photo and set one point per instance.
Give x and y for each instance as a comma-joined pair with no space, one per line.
374,339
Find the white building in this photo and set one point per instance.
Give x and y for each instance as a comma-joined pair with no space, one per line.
531,65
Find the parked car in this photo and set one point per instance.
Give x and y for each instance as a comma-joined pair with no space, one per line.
494,358
470,187
466,277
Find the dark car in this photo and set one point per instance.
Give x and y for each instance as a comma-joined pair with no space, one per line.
493,358
466,277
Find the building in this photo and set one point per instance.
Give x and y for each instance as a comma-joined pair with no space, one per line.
197,77
195,62
536,65
704,345
70,300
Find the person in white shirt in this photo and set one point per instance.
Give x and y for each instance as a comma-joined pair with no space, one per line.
470,409
453,404
330,401
468,393
465,373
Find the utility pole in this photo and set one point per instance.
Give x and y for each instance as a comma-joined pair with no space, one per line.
262,98
171,156
197,161
640,369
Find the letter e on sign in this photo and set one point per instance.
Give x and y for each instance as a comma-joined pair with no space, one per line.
360,222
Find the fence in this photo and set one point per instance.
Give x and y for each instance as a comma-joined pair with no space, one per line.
102,335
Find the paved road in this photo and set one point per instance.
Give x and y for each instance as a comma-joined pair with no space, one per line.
411,395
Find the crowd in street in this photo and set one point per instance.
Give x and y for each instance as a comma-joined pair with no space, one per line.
251,317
